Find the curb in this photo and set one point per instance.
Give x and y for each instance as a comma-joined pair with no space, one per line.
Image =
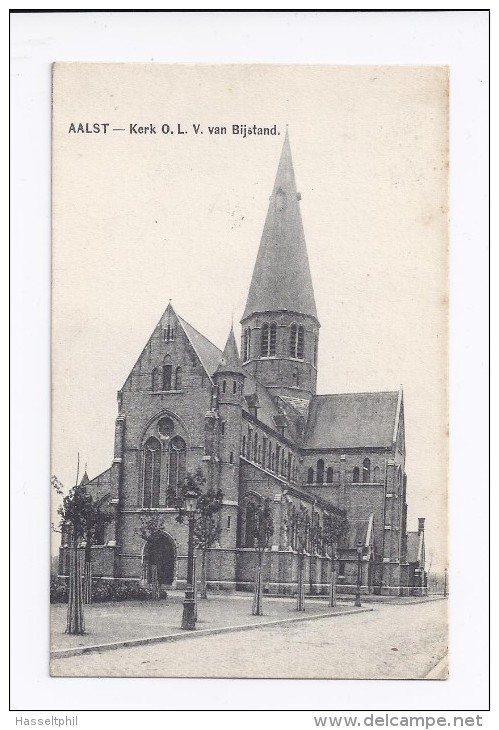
78,650
440,668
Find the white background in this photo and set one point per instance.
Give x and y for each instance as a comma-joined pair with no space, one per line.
454,38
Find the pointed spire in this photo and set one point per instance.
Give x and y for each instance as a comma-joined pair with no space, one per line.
230,362
281,277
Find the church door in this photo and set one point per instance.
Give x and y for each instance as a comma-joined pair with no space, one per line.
160,552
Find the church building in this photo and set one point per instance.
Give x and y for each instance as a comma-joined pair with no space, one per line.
253,422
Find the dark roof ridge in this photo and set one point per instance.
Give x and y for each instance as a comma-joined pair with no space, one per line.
355,392
197,331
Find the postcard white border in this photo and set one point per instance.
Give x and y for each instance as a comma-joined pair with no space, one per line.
458,39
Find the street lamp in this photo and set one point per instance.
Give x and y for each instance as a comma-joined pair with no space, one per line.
359,575
189,613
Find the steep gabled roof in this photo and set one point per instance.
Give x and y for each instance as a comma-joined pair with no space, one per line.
208,353
359,533
349,420
281,277
100,486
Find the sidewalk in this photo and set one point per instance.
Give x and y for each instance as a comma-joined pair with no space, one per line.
141,621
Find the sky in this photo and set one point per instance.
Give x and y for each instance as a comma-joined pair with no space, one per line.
141,219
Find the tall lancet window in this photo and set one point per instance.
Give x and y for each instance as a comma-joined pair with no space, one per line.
152,465
320,471
264,345
246,344
272,339
300,345
366,471
297,341
167,374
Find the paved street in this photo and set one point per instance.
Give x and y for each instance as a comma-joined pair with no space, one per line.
111,622
392,642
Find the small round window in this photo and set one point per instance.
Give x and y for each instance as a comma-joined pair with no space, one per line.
165,426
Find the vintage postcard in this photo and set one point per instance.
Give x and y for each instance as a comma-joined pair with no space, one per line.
249,394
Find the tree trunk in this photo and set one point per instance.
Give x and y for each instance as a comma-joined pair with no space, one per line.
257,609
300,599
87,583
87,576
75,623
332,584
204,589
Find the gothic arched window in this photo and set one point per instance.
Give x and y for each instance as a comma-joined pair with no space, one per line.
272,339
310,476
320,471
264,344
356,475
176,471
300,346
246,344
250,525
152,467
366,471
293,340
329,475
167,374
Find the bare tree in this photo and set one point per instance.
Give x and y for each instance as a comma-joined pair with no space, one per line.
78,513
207,528
335,529
261,529
302,538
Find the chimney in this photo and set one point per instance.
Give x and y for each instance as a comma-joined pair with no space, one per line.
421,525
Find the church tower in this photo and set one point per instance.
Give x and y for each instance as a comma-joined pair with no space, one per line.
229,382
280,329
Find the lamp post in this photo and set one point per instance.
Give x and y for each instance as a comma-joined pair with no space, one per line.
359,575
189,613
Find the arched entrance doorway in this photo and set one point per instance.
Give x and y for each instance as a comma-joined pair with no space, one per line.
160,551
